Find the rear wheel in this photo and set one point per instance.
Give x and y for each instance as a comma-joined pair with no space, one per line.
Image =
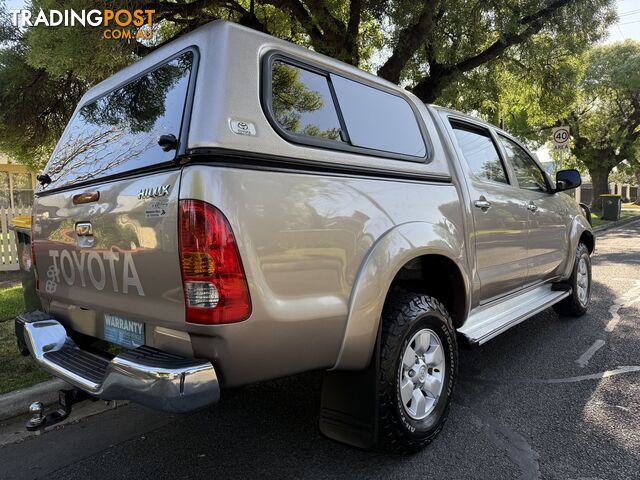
418,367
576,304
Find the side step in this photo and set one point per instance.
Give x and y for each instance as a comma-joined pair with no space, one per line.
489,321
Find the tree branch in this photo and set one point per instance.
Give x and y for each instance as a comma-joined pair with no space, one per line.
353,28
408,41
300,13
428,88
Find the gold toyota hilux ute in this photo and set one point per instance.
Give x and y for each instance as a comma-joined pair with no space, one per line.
233,208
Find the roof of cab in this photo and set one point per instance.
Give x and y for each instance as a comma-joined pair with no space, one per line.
228,86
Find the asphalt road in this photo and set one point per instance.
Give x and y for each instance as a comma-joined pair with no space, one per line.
551,398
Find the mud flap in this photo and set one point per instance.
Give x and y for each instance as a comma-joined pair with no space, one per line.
349,409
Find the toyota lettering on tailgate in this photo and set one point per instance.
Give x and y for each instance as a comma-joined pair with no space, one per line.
93,267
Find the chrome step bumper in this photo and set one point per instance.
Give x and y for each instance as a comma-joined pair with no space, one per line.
144,375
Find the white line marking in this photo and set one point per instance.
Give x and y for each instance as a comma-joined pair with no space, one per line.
593,376
628,299
583,361
580,378
615,317
632,296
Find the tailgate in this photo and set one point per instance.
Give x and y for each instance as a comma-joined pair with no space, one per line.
114,258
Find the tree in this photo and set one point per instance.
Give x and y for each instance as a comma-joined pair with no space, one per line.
431,42
605,123
527,91
626,174
427,45
34,107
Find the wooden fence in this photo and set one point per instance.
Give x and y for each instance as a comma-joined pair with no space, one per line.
8,245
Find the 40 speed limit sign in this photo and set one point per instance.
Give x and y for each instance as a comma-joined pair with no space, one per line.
560,137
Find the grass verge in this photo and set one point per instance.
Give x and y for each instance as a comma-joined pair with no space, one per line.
17,371
626,213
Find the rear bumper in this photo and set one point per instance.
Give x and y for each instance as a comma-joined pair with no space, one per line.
145,375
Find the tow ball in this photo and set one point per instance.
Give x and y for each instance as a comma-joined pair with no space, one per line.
66,399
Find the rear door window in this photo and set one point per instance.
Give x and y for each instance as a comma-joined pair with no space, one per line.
528,174
119,131
378,120
301,102
480,153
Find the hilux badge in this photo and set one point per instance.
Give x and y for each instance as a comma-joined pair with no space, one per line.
161,191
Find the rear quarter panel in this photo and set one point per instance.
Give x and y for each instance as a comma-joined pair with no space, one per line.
303,239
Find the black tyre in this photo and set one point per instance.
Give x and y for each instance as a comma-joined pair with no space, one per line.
418,369
576,304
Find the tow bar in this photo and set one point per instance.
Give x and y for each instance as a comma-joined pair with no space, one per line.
66,399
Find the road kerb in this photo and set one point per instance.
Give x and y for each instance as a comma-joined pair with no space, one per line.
617,223
17,403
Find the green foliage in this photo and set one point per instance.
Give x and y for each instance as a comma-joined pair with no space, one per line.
503,59
606,118
528,89
17,371
80,50
11,303
625,174
34,107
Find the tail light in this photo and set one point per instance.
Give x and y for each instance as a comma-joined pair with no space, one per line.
215,287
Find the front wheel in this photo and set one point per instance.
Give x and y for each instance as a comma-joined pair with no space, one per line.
418,368
576,304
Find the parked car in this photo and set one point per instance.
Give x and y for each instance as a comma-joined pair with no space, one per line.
233,208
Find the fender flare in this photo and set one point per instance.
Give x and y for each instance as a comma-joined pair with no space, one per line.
388,255
579,225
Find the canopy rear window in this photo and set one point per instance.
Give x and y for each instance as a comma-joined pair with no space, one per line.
119,131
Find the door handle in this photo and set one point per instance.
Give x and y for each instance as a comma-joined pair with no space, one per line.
532,207
86,197
84,229
482,204
84,233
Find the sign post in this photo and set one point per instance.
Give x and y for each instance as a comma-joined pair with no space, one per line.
560,137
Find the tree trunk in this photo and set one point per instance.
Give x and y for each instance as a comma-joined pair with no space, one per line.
637,202
600,182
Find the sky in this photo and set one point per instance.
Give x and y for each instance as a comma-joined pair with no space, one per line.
628,25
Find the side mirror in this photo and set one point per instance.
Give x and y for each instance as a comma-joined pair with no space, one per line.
567,179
